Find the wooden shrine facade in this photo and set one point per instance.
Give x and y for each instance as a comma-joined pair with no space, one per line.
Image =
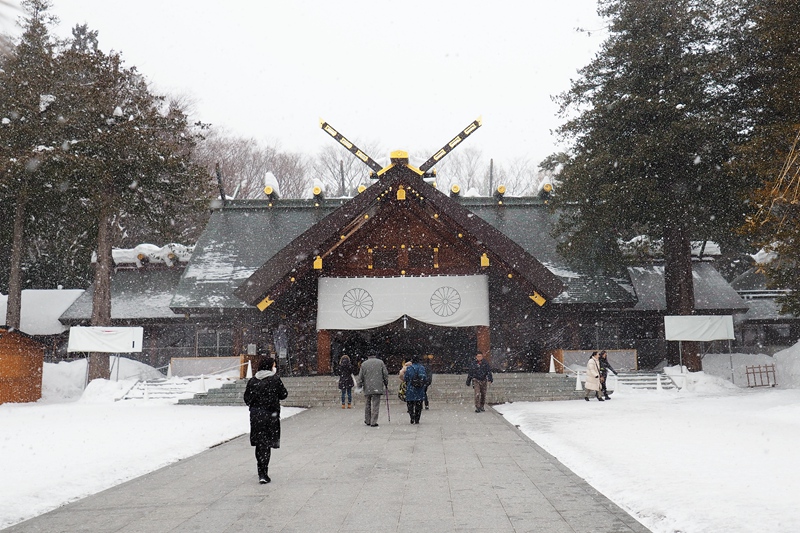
399,227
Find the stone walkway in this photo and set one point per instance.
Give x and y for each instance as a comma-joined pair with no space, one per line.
457,471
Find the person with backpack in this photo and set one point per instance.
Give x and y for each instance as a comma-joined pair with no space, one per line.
416,380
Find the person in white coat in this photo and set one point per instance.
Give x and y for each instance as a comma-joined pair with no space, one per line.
593,377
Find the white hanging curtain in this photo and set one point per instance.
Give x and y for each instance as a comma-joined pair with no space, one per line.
363,303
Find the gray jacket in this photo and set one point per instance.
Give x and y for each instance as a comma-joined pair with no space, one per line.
373,376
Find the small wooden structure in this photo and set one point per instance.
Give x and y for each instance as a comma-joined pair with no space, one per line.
21,363
761,376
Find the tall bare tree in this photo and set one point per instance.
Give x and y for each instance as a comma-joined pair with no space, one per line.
466,168
339,171
245,162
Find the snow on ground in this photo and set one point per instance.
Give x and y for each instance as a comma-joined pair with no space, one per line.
73,443
711,458
714,457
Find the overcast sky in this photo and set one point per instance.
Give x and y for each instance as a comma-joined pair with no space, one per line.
404,75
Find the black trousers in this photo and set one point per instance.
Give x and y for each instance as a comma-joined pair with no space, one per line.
263,454
414,411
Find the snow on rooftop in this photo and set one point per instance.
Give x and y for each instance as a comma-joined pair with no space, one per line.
643,244
271,181
41,309
150,253
763,257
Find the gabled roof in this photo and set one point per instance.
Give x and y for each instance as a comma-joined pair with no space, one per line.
298,255
530,223
237,240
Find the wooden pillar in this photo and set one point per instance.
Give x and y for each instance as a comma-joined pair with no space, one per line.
323,352
482,334
237,334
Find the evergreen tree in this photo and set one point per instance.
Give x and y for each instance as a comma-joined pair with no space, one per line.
28,126
128,156
649,141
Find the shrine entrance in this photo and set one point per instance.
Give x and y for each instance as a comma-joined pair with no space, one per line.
446,350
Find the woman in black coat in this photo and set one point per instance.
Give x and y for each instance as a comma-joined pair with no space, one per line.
605,366
346,380
263,395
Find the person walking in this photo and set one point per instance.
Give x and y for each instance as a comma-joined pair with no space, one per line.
373,378
479,376
346,380
605,366
593,376
415,378
263,396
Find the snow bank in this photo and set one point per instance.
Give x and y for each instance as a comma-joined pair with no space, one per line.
788,367
732,367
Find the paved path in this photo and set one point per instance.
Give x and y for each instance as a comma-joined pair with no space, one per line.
457,471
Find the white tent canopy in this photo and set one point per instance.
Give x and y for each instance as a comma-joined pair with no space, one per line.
107,340
698,327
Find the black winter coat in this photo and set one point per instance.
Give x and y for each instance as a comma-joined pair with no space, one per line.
345,375
480,371
605,366
264,396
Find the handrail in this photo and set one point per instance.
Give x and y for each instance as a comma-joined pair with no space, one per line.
564,367
229,368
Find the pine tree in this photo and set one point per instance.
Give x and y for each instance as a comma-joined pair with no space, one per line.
28,126
649,141
128,155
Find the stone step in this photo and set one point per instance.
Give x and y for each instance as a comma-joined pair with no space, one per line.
646,380
310,391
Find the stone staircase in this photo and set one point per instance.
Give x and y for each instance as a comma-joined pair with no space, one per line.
311,391
646,381
158,389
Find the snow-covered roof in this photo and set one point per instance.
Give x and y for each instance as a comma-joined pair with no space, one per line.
711,291
135,295
642,244
41,309
149,253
